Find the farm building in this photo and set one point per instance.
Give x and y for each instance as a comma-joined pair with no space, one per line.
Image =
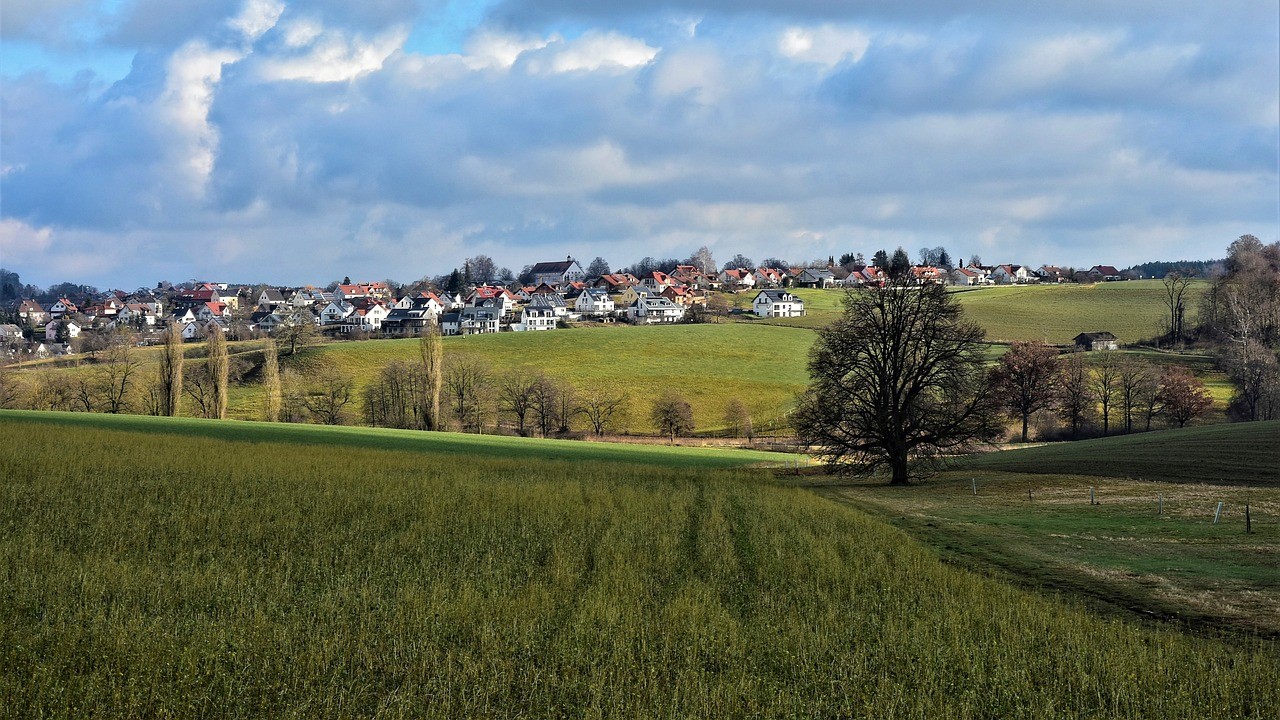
1096,341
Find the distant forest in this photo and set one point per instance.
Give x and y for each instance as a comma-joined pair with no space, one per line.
1188,268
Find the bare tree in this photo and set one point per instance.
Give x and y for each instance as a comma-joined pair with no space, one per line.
900,377
672,415
328,394
566,407
466,381
170,388
601,406
703,259
197,384
218,370
515,395
297,329
1182,396
1106,385
1076,402
272,393
1136,381
1028,378
543,402
431,357
8,389
1175,291
115,375
737,418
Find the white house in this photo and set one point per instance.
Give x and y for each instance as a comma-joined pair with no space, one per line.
51,330
738,279
533,319
655,310
554,303
1010,275
366,317
777,303
594,302
558,273
335,312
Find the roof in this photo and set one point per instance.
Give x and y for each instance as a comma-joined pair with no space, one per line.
561,266
1105,269
1100,335
778,296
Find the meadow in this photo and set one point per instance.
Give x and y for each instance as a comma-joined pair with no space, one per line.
1128,521
1055,314
146,574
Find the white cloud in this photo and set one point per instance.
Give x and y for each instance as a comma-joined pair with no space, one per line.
592,51
493,49
183,108
330,55
825,44
256,18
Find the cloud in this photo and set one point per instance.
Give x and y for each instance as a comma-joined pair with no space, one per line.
301,141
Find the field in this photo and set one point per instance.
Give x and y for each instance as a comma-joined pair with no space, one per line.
1053,313
161,575
1149,545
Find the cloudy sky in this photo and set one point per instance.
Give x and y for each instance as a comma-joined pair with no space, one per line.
304,140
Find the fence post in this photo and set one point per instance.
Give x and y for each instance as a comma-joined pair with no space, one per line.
975,486
1248,524
1217,513
1160,504
1091,500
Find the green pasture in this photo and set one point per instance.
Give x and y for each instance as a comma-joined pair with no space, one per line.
1131,310
147,575
1148,545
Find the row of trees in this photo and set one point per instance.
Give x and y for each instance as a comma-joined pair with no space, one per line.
1032,377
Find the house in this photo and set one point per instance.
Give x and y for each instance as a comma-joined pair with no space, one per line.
478,320
1097,341
632,294
366,316
61,307
136,314
1104,273
451,323
1051,273
777,303
658,281
72,329
265,321
408,322
684,297
815,278
211,310
270,297
351,292
32,313
534,319
655,310
558,273
769,278
197,330
927,275
738,279
616,282
964,277
594,302
335,312
10,333
495,297
1010,275
553,302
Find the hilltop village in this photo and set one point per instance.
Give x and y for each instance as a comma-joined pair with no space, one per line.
553,295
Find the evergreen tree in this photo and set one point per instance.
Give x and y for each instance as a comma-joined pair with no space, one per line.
900,265
881,260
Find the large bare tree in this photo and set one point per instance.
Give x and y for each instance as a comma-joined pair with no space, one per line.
1076,402
218,367
672,415
431,359
1175,300
1027,379
1106,385
899,377
601,406
272,392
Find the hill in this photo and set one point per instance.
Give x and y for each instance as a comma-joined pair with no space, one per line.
1234,454
1055,314
249,578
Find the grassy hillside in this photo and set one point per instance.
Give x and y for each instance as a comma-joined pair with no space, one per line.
1149,544
1235,454
1053,313
709,364
433,443
217,577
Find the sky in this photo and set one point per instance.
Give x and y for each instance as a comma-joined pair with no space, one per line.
301,141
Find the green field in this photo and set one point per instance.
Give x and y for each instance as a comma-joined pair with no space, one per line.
144,574
1053,313
1148,546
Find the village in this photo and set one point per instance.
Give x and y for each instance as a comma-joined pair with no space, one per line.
557,294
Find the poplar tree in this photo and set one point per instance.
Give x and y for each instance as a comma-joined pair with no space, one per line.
171,372
273,396
431,353
218,367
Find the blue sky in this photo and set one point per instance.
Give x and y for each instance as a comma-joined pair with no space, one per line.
300,141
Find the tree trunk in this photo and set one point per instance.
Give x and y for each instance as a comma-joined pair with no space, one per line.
898,463
1024,427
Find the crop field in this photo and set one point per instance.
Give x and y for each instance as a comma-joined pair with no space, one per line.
1150,543
1052,313
145,574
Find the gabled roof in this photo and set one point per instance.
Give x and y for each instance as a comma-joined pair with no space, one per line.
777,296
1104,270
561,266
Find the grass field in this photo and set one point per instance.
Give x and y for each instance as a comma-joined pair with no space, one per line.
208,576
1149,545
1052,313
